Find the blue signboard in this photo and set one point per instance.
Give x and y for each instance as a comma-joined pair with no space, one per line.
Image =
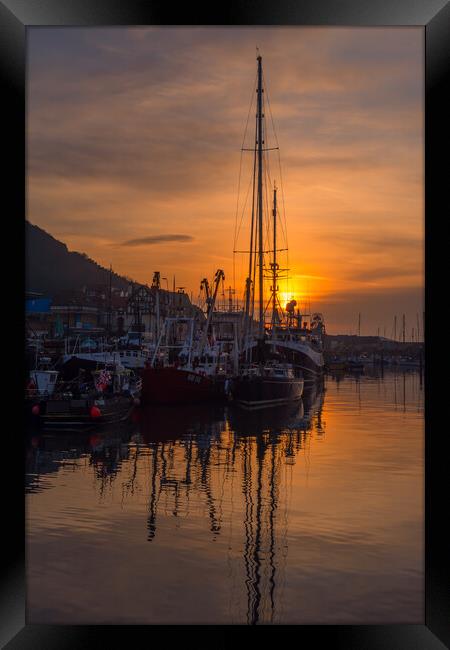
38,305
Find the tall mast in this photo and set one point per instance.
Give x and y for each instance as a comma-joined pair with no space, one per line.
156,284
110,301
248,283
259,137
274,269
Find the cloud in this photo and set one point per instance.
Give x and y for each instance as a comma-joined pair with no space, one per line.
374,241
148,123
157,239
389,273
113,106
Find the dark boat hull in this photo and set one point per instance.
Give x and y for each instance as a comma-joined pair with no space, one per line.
355,367
259,392
178,386
76,413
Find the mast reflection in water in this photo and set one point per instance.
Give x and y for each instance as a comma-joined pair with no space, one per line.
254,444
217,514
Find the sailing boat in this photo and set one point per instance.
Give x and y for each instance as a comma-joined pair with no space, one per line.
264,380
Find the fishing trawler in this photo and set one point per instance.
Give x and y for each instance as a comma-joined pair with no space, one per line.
301,342
187,364
266,378
297,340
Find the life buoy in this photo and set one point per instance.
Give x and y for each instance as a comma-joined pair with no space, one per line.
95,412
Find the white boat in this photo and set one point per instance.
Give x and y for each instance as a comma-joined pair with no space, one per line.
128,358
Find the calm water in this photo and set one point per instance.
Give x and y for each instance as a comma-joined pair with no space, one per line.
311,514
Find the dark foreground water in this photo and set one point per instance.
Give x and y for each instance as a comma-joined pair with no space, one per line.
306,514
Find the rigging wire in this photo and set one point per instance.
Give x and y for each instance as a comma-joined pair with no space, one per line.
242,214
239,181
283,222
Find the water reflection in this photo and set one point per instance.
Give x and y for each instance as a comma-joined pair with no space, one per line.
224,463
256,442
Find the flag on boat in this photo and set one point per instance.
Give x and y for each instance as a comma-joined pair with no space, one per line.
104,379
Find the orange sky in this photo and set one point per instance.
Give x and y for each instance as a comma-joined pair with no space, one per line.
134,139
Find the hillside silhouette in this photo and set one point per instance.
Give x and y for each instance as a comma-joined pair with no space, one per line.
51,268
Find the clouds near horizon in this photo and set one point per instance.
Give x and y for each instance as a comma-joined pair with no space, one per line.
135,133
157,239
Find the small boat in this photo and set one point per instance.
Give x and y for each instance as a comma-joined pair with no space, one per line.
336,365
68,412
354,365
408,362
103,397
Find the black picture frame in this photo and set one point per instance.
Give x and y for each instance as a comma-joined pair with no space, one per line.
433,15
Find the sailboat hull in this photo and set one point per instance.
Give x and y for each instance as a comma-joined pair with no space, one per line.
259,392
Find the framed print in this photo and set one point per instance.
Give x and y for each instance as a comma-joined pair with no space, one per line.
224,221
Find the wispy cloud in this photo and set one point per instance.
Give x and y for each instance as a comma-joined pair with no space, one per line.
148,123
375,241
157,239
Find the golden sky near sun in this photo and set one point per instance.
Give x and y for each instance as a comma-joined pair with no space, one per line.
134,138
